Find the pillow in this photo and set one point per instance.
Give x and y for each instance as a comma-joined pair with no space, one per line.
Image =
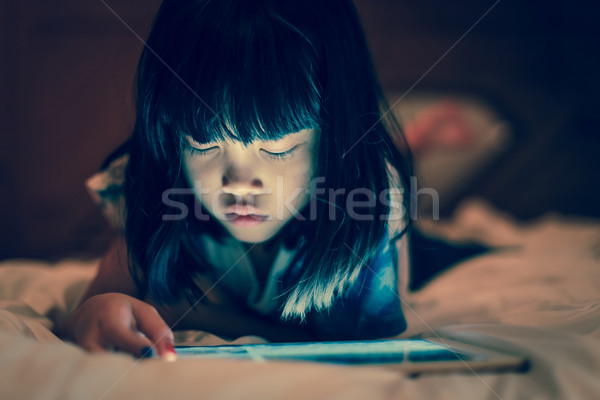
454,138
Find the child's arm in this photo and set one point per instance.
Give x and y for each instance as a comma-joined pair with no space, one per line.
110,316
231,322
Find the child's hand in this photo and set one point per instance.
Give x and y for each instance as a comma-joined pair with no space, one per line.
115,321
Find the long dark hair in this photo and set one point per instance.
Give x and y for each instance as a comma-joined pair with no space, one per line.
244,70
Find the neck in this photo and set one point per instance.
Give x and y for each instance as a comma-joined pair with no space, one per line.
263,247
262,255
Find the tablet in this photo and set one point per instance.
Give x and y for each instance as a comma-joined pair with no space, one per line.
412,356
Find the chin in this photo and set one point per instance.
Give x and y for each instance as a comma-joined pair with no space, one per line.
253,235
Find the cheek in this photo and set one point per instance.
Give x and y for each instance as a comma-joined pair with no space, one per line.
298,172
295,177
202,177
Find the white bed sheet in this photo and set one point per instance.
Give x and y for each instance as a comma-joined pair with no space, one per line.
538,296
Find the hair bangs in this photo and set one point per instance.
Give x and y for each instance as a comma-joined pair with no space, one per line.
257,81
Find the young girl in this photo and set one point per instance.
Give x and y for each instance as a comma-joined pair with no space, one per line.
262,189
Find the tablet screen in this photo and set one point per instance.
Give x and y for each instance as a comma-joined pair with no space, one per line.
351,352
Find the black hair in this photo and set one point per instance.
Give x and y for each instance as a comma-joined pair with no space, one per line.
260,69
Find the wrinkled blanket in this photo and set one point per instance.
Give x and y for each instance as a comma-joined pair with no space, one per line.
536,294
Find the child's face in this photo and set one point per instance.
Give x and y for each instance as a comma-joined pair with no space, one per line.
252,190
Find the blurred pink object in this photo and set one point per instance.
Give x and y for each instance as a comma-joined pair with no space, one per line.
442,125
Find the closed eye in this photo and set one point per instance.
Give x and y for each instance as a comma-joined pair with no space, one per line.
202,152
281,156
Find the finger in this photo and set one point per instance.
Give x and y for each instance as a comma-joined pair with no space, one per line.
93,346
127,340
150,323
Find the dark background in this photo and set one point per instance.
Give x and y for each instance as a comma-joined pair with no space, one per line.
68,65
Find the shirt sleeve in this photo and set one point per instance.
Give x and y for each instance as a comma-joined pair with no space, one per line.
371,308
106,189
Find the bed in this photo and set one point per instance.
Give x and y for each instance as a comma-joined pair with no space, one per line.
537,294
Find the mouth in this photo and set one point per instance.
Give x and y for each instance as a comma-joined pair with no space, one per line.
246,220
236,216
243,211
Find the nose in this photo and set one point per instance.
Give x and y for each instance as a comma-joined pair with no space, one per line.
240,182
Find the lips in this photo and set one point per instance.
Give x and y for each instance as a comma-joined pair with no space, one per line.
246,221
243,211
235,216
